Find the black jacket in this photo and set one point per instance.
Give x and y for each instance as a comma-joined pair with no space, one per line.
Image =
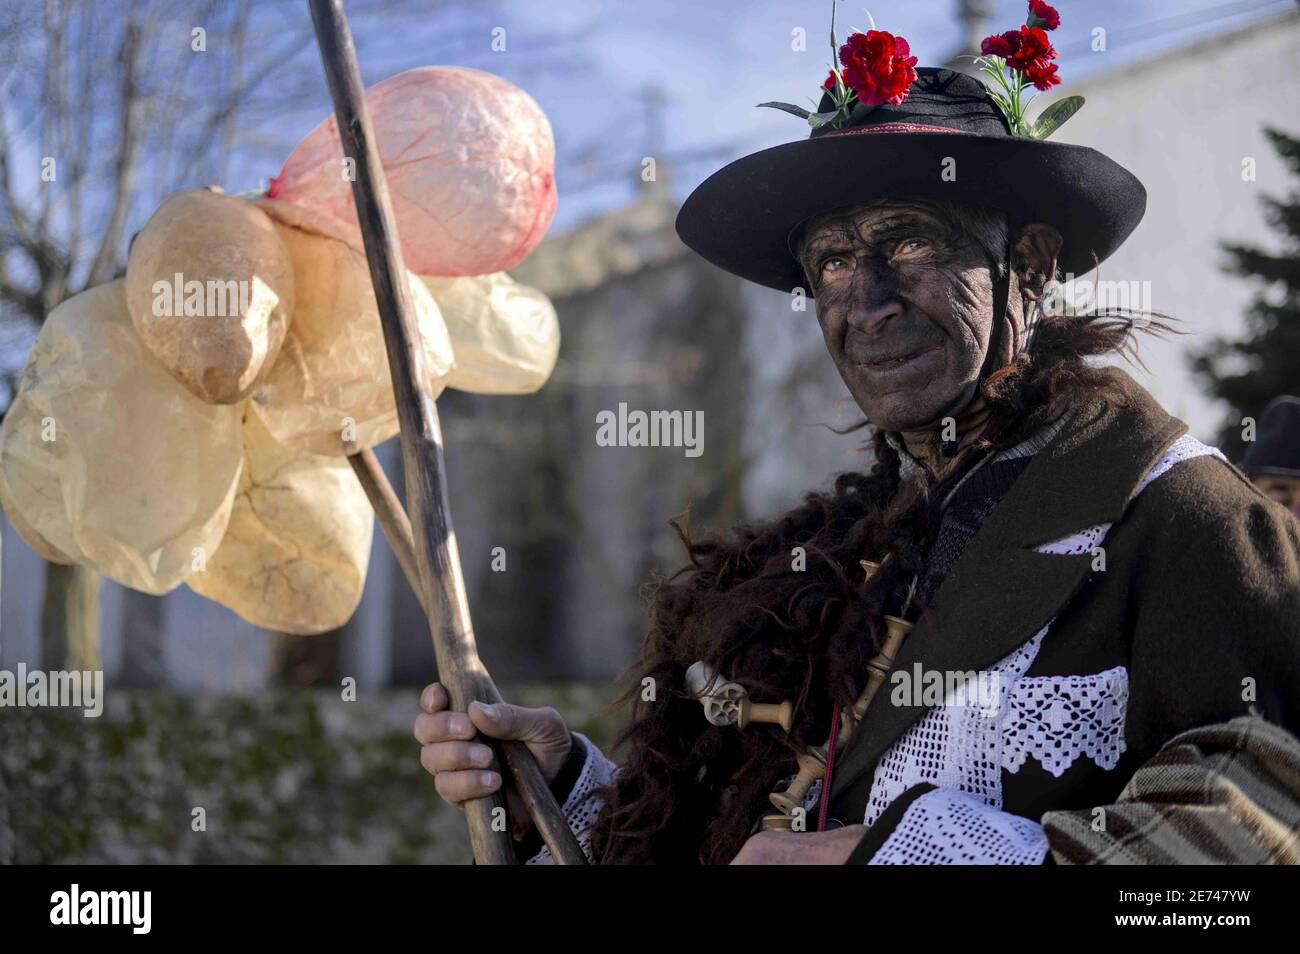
1190,616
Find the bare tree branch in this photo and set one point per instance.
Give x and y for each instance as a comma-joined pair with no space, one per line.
52,132
75,186
131,112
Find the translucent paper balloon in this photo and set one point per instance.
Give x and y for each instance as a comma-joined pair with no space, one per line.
470,164
329,391
108,458
38,543
210,290
294,557
505,335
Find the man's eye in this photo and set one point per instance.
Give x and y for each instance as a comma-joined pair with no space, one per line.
834,263
913,246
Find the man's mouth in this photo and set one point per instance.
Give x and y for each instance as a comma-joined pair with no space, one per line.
897,361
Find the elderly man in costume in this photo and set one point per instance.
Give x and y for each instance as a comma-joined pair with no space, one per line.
1034,523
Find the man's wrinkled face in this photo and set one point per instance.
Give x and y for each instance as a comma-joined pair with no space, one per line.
905,303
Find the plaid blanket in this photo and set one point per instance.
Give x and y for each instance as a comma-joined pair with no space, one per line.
1222,794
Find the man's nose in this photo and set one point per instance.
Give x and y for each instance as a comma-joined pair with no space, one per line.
876,299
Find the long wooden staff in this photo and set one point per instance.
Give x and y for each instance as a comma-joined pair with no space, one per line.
441,584
528,779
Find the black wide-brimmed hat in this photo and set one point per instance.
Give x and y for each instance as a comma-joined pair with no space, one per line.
746,217
1276,450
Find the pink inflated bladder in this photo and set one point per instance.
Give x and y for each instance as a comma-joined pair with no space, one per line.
470,163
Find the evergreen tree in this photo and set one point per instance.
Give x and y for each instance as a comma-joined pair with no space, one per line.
1249,373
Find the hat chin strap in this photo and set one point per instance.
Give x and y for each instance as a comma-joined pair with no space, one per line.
1001,296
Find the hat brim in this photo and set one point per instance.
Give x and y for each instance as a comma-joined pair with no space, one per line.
1266,470
741,217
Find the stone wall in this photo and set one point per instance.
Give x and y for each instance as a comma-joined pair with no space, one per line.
284,777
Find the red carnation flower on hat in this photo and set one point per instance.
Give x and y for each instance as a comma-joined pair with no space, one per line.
878,67
1034,48
1000,44
1043,15
1042,74
1023,48
1019,58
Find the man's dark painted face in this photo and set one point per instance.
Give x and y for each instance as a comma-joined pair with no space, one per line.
905,304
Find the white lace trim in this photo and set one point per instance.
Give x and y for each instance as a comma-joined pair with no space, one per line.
1053,719
1185,448
955,746
1057,719
944,827
584,803
1082,542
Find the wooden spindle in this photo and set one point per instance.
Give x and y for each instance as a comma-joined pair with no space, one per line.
812,762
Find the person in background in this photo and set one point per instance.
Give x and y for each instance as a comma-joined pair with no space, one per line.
1273,460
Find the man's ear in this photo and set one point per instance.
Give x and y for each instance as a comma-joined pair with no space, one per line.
1035,260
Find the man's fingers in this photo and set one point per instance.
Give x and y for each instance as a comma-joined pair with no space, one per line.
457,787
504,721
442,727
434,698
501,721
455,756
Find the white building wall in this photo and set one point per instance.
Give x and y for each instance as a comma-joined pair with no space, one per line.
1183,123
